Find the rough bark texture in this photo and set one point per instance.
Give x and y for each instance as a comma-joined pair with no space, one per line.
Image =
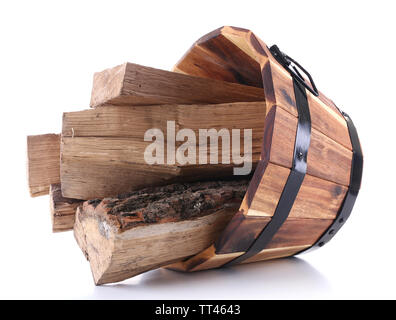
102,155
150,228
237,55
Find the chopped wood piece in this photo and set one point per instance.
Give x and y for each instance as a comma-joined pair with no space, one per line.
63,210
132,84
144,129
103,148
43,153
136,232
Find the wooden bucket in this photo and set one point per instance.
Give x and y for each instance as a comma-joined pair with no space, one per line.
309,173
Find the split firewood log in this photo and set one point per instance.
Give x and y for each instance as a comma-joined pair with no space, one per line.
103,149
63,210
43,162
143,230
132,84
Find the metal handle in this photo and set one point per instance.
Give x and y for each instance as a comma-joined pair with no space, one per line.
291,65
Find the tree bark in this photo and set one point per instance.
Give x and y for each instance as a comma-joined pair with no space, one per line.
136,232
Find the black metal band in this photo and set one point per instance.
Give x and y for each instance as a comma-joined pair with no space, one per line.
294,180
353,190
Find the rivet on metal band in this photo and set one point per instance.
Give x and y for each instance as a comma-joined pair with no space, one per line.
353,190
294,180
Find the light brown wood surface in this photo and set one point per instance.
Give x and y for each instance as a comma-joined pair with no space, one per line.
228,79
314,209
125,236
132,84
103,148
43,162
219,55
63,210
238,55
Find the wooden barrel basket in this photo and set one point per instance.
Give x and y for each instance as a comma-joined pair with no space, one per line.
309,173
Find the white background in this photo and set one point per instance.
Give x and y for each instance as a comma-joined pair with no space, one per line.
49,51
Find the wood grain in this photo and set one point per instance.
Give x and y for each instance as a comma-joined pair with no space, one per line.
294,236
317,198
313,211
134,121
63,210
206,59
326,158
132,84
276,253
125,236
324,117
329,156
237,55
228,79
43,162
103,148
241,233
208,259
82,179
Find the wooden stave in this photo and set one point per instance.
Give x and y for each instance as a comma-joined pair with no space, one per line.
219,254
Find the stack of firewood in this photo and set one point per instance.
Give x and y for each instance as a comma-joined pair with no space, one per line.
130,216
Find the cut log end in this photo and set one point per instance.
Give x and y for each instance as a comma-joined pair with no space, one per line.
136,232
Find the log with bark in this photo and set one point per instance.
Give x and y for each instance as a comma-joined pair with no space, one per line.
102,148
196,215
147,229
321,202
